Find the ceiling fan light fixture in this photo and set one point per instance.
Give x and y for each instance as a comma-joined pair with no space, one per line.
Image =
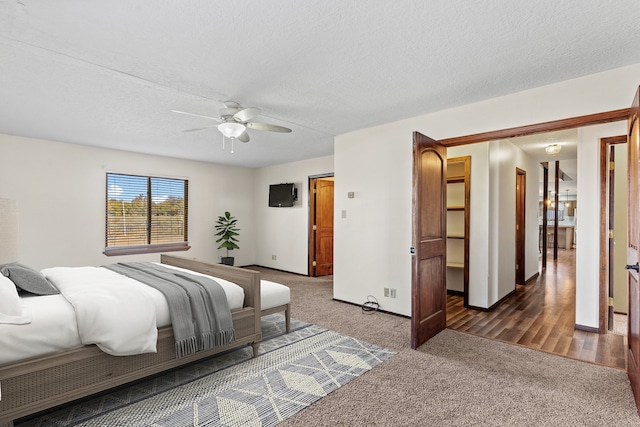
553,149
231,129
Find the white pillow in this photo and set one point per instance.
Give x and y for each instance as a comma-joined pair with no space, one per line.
10,307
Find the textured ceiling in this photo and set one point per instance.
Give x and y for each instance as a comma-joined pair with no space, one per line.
109,73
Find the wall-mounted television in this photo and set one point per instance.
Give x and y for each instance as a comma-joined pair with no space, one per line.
282,195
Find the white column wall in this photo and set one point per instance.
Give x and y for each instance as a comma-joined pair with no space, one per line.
503,224
531,255
620,230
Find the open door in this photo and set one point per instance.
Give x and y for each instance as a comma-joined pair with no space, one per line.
428,264
633,250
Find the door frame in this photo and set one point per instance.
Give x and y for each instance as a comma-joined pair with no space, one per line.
311,220
544,127
605,143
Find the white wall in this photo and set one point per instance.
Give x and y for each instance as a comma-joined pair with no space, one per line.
588,220
507,157
284,232
532,229
620,295
372,243
60,194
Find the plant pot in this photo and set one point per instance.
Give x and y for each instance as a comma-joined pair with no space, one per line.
226,260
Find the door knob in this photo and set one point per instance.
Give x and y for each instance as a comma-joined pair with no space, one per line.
635,267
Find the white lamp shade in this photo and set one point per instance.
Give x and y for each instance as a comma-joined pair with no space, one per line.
231,129
553,149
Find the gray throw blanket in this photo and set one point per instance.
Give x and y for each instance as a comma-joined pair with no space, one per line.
200,315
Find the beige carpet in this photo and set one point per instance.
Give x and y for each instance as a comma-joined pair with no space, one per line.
455,379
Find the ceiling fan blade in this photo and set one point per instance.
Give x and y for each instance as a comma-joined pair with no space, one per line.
202,128
269,127
246,114
231,104
244,137
196,115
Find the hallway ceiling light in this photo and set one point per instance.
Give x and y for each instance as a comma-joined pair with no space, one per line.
553,149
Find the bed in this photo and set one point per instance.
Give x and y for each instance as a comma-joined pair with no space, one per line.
41,382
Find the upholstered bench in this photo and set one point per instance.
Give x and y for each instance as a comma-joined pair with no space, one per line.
275,298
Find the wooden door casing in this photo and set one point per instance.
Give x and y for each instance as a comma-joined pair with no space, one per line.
324,227
521,181
321,226
428,281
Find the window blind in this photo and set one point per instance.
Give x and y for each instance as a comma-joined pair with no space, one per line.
143,211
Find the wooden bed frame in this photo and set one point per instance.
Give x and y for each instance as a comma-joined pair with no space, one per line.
33,385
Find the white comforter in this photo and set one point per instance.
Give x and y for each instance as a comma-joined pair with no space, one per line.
112,311
56,326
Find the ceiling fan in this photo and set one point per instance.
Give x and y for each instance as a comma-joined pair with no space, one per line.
234,121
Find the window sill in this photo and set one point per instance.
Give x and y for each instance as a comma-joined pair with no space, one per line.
146,249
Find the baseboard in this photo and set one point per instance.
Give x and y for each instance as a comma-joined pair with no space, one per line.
532,278
587,328
276,269
497,303
452,292
380,310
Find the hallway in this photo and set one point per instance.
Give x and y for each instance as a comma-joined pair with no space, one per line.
541,316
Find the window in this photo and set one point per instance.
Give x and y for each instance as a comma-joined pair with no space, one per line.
145,215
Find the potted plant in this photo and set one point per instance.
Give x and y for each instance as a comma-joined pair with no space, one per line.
227,230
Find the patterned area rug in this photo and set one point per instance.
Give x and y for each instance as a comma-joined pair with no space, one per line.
292,371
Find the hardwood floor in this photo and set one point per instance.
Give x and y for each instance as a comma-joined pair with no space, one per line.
541,316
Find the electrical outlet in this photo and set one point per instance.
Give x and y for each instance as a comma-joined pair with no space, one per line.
386,292
274,258
393,293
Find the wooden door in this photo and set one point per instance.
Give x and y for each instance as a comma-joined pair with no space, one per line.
321,227
521,181
633,251
428,266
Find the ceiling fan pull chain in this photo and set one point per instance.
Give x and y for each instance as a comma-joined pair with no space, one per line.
232,139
